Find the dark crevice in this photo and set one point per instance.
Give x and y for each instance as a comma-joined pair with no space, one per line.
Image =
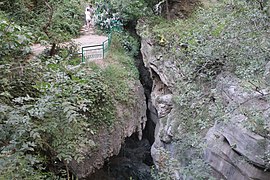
134,160
147,83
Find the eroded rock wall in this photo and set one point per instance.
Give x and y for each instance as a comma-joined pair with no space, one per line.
164,76
130,119
233,149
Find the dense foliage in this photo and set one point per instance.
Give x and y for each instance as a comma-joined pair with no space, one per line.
111,13
14,39
50,22
206,43
50,110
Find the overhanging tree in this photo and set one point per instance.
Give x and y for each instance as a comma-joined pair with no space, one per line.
52,21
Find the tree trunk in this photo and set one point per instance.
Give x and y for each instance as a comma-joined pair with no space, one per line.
167,10
53,48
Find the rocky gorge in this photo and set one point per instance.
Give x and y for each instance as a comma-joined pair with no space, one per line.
233,134
191,120
232,150
181,93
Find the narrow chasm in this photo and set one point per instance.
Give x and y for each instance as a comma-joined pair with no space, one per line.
134,160
147,83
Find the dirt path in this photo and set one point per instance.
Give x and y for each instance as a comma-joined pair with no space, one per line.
87,38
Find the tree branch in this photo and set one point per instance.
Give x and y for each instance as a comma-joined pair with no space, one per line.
47,25
49,22
261,4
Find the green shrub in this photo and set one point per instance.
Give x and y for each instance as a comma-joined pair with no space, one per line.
15,40
223,37
53,21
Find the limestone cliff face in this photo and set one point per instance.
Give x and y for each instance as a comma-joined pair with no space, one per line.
108,141
164,75
232,148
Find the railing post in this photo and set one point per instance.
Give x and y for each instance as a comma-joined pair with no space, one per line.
104,47
103,51
82,55
109,39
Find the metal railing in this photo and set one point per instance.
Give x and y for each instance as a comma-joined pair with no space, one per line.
99,51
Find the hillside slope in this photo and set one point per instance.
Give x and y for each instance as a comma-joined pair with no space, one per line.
211,91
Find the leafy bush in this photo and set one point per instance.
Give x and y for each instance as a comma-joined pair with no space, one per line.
15,40
52,21
111,14
52,123
213,40
105,18
49,113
